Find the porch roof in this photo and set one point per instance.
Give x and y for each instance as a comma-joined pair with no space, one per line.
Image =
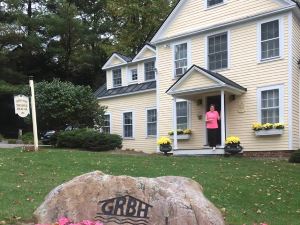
199,80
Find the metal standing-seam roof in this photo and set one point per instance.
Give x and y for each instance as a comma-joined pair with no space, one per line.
103,92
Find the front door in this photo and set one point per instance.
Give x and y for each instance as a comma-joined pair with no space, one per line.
215,100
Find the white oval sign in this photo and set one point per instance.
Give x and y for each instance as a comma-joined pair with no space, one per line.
22,105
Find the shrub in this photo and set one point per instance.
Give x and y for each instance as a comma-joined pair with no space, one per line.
11,141
88,139
27,138
295,157
1,137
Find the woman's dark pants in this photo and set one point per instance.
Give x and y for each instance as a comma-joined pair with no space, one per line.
212,137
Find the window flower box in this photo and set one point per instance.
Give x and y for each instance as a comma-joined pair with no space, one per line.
181,136
271,132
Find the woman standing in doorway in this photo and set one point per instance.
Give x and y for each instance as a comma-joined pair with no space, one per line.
212,126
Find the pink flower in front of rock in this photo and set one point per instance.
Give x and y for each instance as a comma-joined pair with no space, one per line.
87,222
98,223
64,221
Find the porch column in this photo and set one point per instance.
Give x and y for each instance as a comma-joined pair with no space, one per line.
175,141
223,118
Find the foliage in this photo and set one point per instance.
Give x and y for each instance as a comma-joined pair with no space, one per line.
267,126
295,157
88,139
11,141
232,140
1,137
180,132
164,141
61,103
66,221
26,178
27,138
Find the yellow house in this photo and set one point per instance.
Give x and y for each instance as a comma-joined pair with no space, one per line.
242,56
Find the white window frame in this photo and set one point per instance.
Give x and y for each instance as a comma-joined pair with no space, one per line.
112,77
110,120
280,87
189,55
148,61
148,109
228,48
281,39
206,6
129,73
189,112
133,126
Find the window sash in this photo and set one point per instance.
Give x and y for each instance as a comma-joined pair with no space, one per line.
218,51
128,125
270,106
151,122
149,70
182,115
270,39
134,75
117,78
180,59
106,126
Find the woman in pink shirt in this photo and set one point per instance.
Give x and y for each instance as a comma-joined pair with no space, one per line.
212,126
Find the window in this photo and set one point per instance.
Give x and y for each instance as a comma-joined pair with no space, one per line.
270,104
181,60
150,70
213,2
134,75
218,51
151,122
270,40
182,115
106,126
128,125
117,78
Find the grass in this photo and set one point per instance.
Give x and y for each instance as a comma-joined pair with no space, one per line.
250,190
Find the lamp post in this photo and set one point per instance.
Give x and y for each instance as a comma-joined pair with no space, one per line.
33,113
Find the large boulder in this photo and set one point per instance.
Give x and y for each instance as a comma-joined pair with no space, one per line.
116,200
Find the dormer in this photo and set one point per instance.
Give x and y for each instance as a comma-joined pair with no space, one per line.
122,70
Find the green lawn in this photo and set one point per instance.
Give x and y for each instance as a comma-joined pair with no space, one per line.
250,190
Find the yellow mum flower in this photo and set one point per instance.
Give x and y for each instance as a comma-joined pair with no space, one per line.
164,141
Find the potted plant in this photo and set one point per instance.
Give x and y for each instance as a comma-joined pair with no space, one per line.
181,134
232,145
268,129
164,145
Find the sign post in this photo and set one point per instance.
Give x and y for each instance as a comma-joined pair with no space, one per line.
33,113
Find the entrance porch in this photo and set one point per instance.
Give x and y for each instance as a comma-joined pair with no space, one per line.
201,88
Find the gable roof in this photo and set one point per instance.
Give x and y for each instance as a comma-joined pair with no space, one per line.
178,7
218,77
124,59
146,47
103,92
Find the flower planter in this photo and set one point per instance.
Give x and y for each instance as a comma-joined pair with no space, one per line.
182,137
165,148
270,132
233,149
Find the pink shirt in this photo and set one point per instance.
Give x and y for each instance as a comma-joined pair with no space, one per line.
212,118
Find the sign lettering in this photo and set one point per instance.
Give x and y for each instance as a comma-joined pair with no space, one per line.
124,210
22,105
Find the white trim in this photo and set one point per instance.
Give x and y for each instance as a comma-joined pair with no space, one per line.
206,7
189,111
133,125
175,144
223,122
280,87
106,65
148,61
189,55
112,78
157,98
142,50
127,94
281,39
110,121
129,75
290,80
156,41
207,36
147,109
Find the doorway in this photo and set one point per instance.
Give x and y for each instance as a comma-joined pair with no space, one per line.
215,100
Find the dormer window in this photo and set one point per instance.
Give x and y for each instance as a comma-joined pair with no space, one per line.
117,78
211,3
149,70
134,75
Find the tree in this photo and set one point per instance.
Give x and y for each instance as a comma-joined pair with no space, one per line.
60,103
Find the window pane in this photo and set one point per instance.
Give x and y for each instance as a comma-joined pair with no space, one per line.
182,115
149,70
151,122
106,126
218,52
270,39
180,59
127,123
270,106
117,78
134,75
213,2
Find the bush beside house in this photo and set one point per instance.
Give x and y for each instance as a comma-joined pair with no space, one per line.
295,157
88,139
